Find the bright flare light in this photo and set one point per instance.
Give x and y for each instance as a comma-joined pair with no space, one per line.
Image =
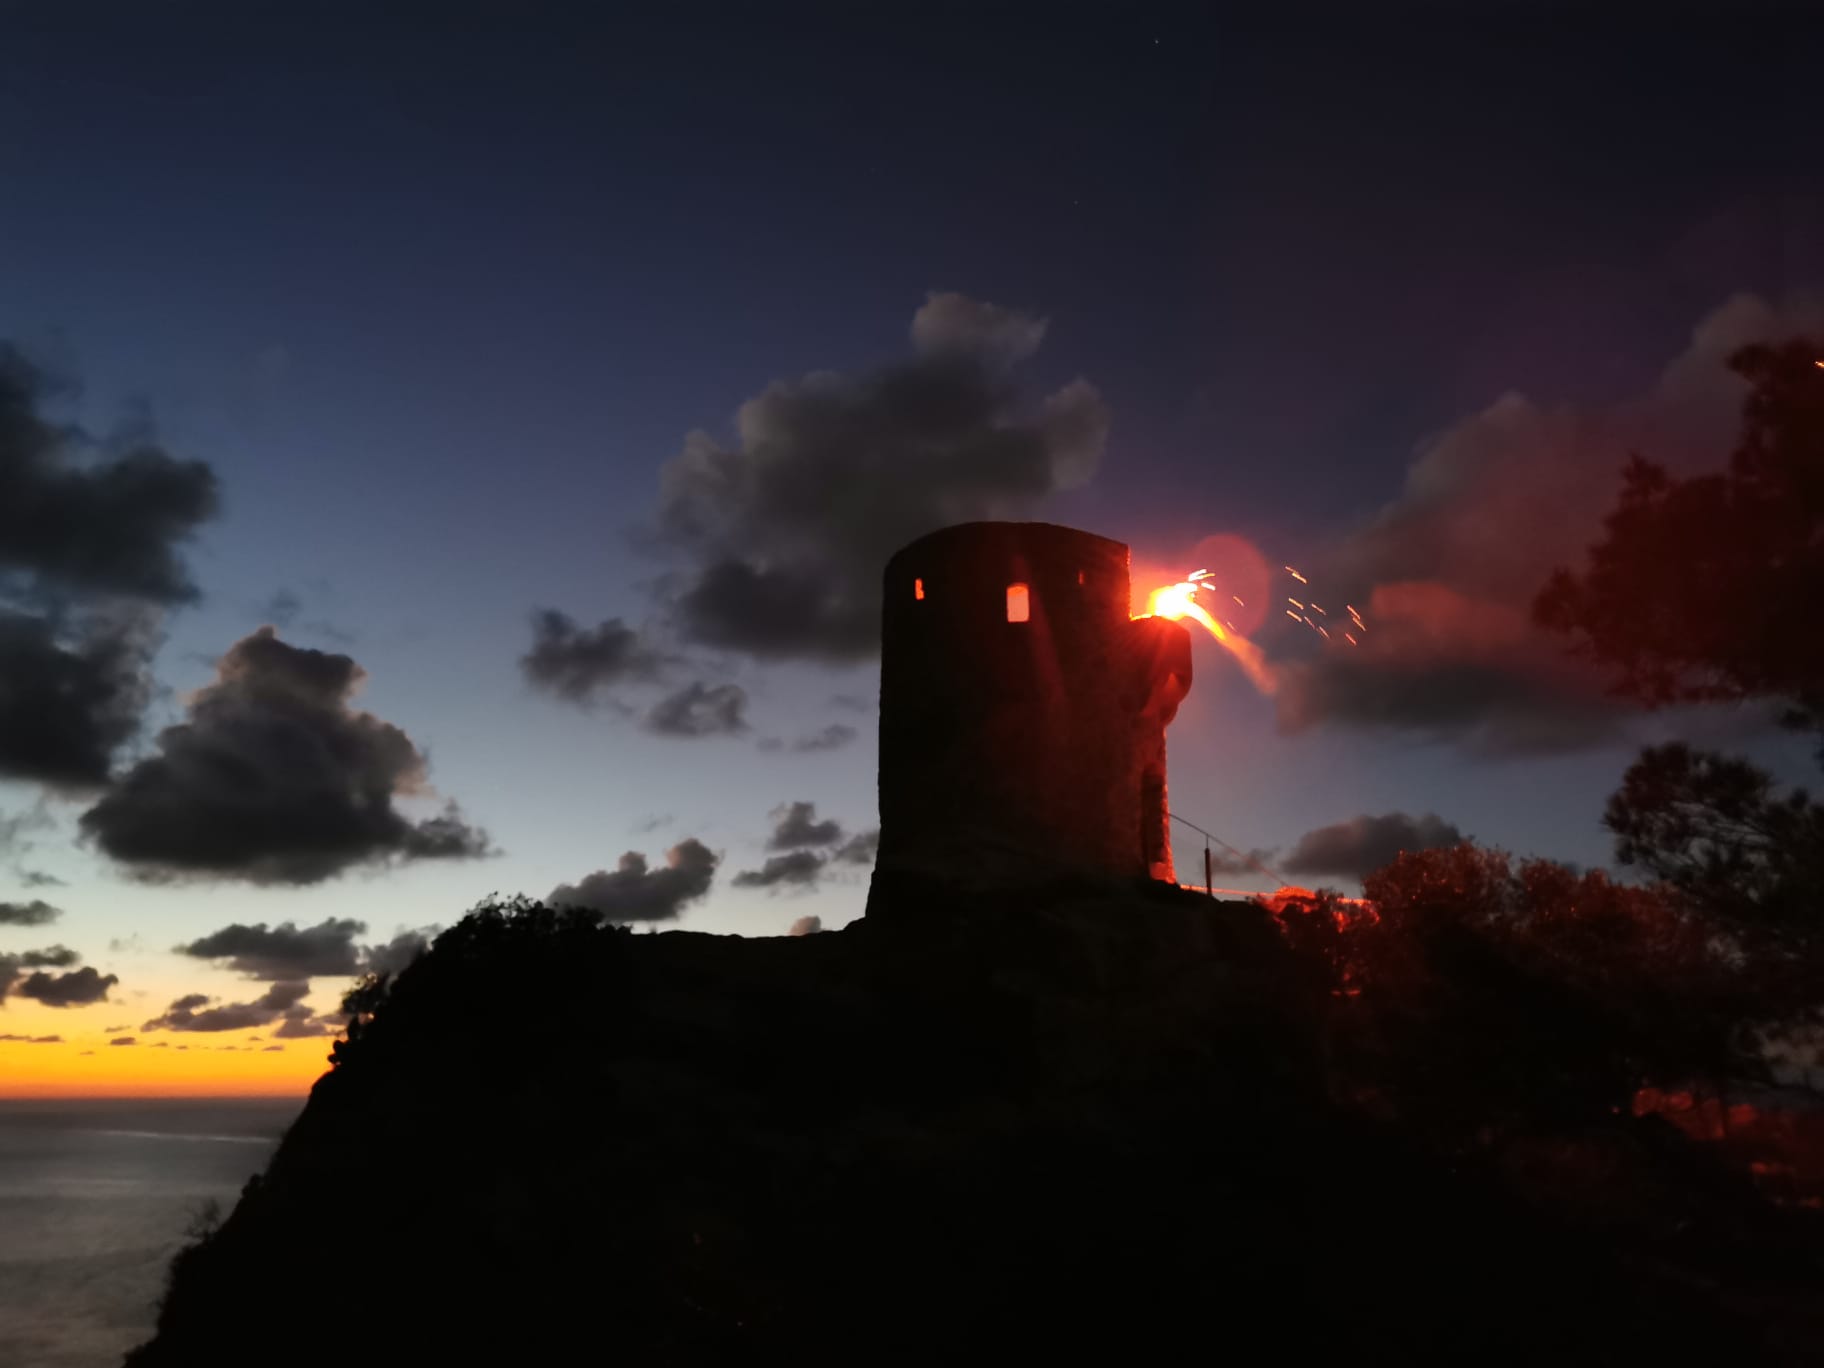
1178,601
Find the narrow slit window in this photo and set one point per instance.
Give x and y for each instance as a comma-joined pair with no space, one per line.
1019,603
918,588
1079,577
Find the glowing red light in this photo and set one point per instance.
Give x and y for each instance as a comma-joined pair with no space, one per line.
1019,603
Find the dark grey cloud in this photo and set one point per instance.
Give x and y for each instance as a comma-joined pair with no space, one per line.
37,912
859,703
284,995
576,663
806,926
275,778
399,952
795,826
300,1023
272,1049
700,709
833,737
795,867
1446,573
76,687
286,952
85,516
51,957
786,527
646,825
33,1040
90,533
635,892
38,878
78,988
124,1040
280,1003
1364,844
859,849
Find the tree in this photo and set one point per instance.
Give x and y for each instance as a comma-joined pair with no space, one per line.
1706,588
1717,829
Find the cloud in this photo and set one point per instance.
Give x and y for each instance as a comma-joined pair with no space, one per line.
399,952
300,1023
860,703
1447,572
1364,844
51,957
15,831
634,892
284,952
37,912
786,528
284,995
574,663
109,525
798,867
33,1040
275,778
806,926
281,609
76,687
78,988
700,709
272,1049
90,533
859,849
282,1002
38,878
795,825
124,1040
833,737
1229,862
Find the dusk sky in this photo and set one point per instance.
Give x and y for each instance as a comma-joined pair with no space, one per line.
679,327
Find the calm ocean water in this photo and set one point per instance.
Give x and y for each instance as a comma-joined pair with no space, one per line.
95,1196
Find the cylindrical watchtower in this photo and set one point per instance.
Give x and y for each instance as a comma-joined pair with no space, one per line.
1022,711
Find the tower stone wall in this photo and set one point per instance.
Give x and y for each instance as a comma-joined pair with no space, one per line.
1022,711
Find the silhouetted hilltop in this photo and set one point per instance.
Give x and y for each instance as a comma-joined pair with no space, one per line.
1078,1122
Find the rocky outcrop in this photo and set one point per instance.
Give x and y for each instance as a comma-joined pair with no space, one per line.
1081,1122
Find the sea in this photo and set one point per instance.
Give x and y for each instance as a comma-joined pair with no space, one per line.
95,1197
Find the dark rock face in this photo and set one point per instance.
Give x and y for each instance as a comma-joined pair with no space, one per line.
1080,1122
1022,713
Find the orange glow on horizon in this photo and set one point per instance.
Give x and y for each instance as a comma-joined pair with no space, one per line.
84,1067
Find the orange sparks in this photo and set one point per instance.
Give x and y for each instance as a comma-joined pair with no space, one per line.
1237,598
1319,627
1294,616
1294,602
1318,608
1295,575
1351,640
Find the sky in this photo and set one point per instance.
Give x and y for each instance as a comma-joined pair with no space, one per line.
480,428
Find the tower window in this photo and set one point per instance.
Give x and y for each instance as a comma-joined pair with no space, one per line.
918,588
1019,603
1079,577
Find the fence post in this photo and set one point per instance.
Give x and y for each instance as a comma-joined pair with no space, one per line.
1209,884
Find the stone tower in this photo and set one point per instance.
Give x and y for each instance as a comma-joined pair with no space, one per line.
1022,711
